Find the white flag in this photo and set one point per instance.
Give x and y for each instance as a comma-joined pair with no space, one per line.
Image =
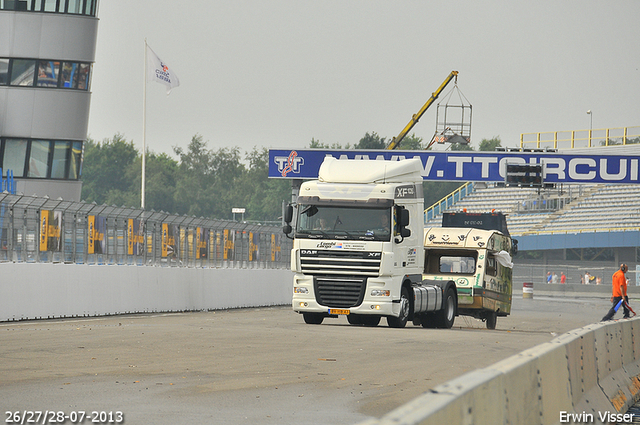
158,71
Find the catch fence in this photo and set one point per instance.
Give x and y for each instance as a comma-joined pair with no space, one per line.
42,230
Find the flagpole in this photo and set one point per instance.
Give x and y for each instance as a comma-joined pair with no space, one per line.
144,126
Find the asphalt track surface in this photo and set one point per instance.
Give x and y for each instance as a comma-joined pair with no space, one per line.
256,366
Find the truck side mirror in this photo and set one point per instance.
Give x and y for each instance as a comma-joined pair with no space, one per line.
403,222
288,214
403,217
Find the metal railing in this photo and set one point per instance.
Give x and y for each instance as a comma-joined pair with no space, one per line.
445,203
42,230
571,139
7,184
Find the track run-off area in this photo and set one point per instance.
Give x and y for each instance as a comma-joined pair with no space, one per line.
258,365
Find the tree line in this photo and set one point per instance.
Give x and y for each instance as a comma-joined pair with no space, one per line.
205,182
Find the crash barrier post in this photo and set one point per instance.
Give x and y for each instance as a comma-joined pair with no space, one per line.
527,290
589,375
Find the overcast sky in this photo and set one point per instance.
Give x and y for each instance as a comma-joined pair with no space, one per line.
277,73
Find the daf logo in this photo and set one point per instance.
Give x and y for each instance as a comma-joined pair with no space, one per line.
308,252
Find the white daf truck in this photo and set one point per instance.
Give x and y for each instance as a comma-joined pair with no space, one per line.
358,247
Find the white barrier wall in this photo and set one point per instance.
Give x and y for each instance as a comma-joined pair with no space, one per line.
589,375
41,290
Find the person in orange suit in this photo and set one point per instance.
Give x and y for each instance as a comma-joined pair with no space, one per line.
619,290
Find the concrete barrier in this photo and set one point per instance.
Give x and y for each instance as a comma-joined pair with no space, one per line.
41,290
589,375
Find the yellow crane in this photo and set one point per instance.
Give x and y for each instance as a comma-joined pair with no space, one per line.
395,142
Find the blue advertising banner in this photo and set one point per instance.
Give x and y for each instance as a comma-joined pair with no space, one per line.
469,166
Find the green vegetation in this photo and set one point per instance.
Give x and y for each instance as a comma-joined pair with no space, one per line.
206,182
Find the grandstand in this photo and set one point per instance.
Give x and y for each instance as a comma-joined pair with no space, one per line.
569,209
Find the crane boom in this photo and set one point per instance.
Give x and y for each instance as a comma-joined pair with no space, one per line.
395,142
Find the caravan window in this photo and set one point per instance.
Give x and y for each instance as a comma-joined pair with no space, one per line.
450,262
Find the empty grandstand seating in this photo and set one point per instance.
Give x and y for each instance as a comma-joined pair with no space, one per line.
570,209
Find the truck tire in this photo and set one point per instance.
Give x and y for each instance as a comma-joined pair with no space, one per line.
492,319
428,320
405,306
313,318
446,316
355,319
370,321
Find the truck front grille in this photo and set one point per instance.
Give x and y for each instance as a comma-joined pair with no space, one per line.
340,277
339,292
334,262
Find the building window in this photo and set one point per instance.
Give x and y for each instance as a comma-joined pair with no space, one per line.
22,72
14,154
83,76
4,71
51,73
41,159
50,5
75,165
60,158
76,7
48,73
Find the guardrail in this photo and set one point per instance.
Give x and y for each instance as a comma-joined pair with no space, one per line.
581,138
42,230
446,202
589,375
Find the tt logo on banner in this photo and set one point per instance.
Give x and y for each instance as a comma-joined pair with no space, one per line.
289,164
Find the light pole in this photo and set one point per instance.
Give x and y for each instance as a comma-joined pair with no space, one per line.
590,125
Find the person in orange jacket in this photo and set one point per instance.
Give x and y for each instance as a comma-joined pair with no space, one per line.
619,293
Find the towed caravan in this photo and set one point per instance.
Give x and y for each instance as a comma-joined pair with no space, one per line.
475,251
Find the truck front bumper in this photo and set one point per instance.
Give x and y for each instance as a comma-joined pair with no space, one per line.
304,300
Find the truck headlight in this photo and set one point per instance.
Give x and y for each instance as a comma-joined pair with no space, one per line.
300,290
380,293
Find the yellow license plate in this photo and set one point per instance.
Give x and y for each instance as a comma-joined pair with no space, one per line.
338,311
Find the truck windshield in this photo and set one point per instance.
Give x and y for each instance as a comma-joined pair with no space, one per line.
450,262
321,221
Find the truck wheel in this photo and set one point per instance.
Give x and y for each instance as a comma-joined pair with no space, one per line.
428,321
355,319
313,318
401,320
491,319
370,321
446,316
